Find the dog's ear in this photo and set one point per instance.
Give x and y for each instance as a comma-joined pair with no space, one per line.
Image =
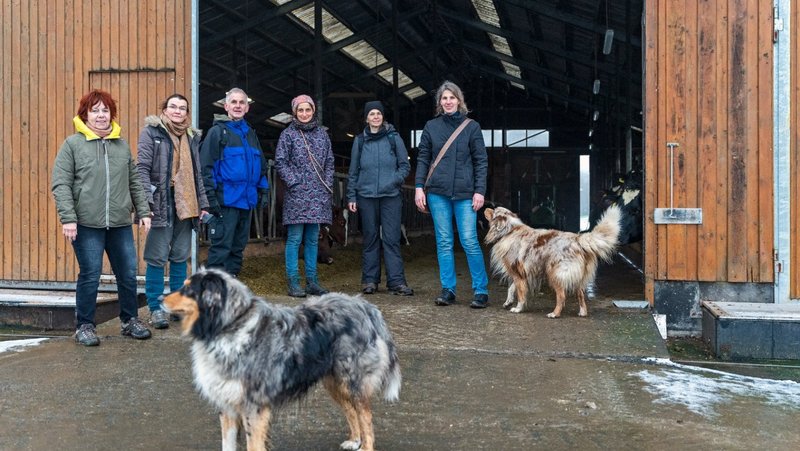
488,213
213,289
211,298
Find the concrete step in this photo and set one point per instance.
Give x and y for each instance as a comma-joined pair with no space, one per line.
51,310
749,330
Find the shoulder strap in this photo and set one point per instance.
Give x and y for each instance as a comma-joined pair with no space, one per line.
392,142
446,146
360,139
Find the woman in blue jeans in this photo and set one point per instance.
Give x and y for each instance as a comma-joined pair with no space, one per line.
455,189
96,188
304,161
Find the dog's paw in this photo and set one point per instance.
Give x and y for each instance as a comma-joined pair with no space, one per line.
583,313
508,303
552,315
351,445
517,309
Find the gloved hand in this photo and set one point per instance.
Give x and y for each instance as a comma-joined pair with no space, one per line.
263,199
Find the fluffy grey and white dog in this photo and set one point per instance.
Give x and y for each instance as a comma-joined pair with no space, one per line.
250,356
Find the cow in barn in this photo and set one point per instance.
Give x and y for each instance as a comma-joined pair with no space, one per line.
336,232
626,192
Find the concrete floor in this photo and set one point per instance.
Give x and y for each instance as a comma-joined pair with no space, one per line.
472,380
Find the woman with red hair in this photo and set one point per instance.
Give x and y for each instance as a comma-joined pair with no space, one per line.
97,187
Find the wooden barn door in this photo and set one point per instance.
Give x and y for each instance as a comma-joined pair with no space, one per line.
709,81
138,93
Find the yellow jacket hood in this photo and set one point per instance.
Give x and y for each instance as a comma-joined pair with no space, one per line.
84,129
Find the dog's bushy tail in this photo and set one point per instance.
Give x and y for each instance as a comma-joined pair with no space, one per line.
602,240
391,391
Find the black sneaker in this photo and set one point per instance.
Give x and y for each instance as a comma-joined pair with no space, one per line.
313,289
135,328
480,301
295,291
86,335
158,319
401,290
446,298
369,288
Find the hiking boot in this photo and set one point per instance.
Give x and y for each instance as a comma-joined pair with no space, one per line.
446,298
313,289
159,320
401,290
135,328
480,301
86,335
295,291
369,288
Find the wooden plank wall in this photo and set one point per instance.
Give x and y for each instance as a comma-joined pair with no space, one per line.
53,52
708,75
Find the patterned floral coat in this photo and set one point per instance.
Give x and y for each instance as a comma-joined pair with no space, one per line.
307,199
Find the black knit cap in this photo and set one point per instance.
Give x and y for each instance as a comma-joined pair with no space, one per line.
373,105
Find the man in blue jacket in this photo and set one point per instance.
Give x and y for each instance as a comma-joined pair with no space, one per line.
234,175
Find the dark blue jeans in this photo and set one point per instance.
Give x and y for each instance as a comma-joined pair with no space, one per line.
229,234
380,226
89,245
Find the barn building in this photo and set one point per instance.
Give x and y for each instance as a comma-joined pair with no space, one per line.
692,104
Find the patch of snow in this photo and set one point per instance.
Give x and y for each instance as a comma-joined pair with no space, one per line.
19,345
701,390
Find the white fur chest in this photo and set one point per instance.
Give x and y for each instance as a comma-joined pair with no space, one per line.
213,381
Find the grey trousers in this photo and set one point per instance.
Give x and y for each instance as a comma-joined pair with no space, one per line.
170,243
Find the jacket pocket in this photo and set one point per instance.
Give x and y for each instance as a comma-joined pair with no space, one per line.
233,167
216,230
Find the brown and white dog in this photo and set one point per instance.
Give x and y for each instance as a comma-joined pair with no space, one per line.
525,256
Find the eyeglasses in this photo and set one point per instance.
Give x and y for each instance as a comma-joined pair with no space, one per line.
176,107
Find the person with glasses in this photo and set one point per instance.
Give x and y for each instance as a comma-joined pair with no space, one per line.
96,188
169,165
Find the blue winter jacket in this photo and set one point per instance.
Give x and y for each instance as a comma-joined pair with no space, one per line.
234,167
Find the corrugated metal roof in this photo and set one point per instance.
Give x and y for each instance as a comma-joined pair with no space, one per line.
542,55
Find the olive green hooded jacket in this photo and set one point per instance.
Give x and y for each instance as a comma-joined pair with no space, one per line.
95,182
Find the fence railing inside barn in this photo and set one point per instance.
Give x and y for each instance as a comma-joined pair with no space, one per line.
266,226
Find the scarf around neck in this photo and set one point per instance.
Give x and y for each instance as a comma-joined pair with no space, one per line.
310,125
100,132
186,204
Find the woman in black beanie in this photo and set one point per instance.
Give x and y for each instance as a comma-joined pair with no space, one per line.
378,167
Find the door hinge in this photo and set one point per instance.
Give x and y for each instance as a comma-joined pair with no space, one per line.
777,24
777,261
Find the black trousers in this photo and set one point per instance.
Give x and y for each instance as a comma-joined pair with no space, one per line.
229,234
380,226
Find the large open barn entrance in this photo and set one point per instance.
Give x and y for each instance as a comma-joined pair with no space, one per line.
555,85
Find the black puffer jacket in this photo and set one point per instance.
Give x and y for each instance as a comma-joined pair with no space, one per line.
462,171
377,168
155,168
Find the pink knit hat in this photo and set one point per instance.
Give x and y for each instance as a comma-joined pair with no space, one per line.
302,98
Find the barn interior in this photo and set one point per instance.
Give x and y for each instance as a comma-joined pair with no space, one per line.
556,85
